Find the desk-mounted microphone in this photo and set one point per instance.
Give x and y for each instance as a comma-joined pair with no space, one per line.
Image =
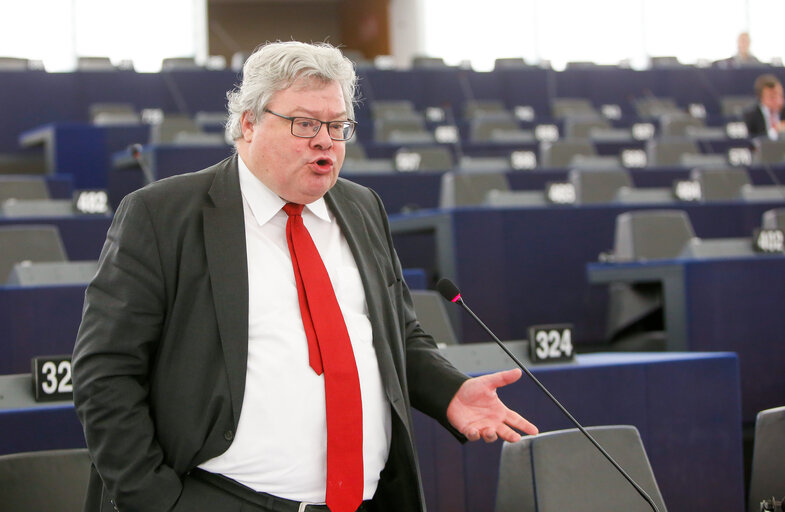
450,292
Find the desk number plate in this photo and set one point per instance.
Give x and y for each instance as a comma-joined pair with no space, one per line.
549,343
52,378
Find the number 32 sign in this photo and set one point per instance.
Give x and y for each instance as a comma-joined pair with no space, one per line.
52,378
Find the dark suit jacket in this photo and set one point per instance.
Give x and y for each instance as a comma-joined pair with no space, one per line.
160,360
756,123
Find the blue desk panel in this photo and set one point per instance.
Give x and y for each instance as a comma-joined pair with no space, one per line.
37,321
44,320
686,407
728,304
519,267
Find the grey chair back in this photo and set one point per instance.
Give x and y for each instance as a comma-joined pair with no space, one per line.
720,184
23,188
46,274
561,153
598,186
47,480
432,314
469,188
36,243
767,477
562,470
774,218
669,150
651,234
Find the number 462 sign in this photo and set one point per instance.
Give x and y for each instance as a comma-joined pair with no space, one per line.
550,343
52,378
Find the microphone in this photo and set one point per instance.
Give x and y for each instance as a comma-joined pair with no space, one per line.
450,292
136,154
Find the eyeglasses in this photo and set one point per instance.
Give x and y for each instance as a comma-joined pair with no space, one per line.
308,127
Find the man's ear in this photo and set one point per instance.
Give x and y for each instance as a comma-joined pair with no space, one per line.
247,125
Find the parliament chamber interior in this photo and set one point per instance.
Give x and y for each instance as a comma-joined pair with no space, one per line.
628,211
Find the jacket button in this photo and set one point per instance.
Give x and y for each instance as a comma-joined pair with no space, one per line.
228,435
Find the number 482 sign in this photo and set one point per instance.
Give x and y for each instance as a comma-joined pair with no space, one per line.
550,343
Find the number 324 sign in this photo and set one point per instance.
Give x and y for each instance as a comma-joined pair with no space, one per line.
52,378
551,343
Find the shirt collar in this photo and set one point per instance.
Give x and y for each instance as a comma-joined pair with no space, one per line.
264,203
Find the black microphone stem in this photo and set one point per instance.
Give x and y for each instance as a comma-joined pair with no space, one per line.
565,411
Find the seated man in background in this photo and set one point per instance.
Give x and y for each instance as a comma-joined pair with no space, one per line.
743,57
766,117
248,342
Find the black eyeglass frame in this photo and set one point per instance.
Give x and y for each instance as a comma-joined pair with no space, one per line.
291,119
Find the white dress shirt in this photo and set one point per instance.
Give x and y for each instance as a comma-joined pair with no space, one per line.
281,440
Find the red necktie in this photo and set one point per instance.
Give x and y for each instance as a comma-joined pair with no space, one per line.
329,348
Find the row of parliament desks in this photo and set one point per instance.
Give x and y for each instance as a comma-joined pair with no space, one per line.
685,405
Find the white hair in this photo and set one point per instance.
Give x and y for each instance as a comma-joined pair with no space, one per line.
277,66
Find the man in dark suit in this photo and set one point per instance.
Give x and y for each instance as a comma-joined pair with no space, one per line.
193,371
767,117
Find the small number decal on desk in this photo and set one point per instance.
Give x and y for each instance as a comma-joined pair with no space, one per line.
551,343
52,378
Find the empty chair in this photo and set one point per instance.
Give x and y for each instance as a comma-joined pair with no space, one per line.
426,62
596,186
509,63
666,61
484,163
501,130
560,153
204,119
774,219
634,321
14,64
394,109
767,476
697,160
179,64
669,151
356,161
651,234
486,109
22,188
768,151
410,129
423,158
94,64
432,315
37,243
37,208
652,106
573,107
21,164
562,470
600,162
44,274
676,124
734,106
105,114
720,184
581,128
171,128
46,480
469,189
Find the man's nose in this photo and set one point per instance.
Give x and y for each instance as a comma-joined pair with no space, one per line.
322,138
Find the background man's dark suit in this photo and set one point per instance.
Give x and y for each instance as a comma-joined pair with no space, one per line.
172,339
756,123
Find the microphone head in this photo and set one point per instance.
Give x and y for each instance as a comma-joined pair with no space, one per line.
448,290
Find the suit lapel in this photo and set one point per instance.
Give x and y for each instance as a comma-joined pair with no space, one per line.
224,240
354,226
